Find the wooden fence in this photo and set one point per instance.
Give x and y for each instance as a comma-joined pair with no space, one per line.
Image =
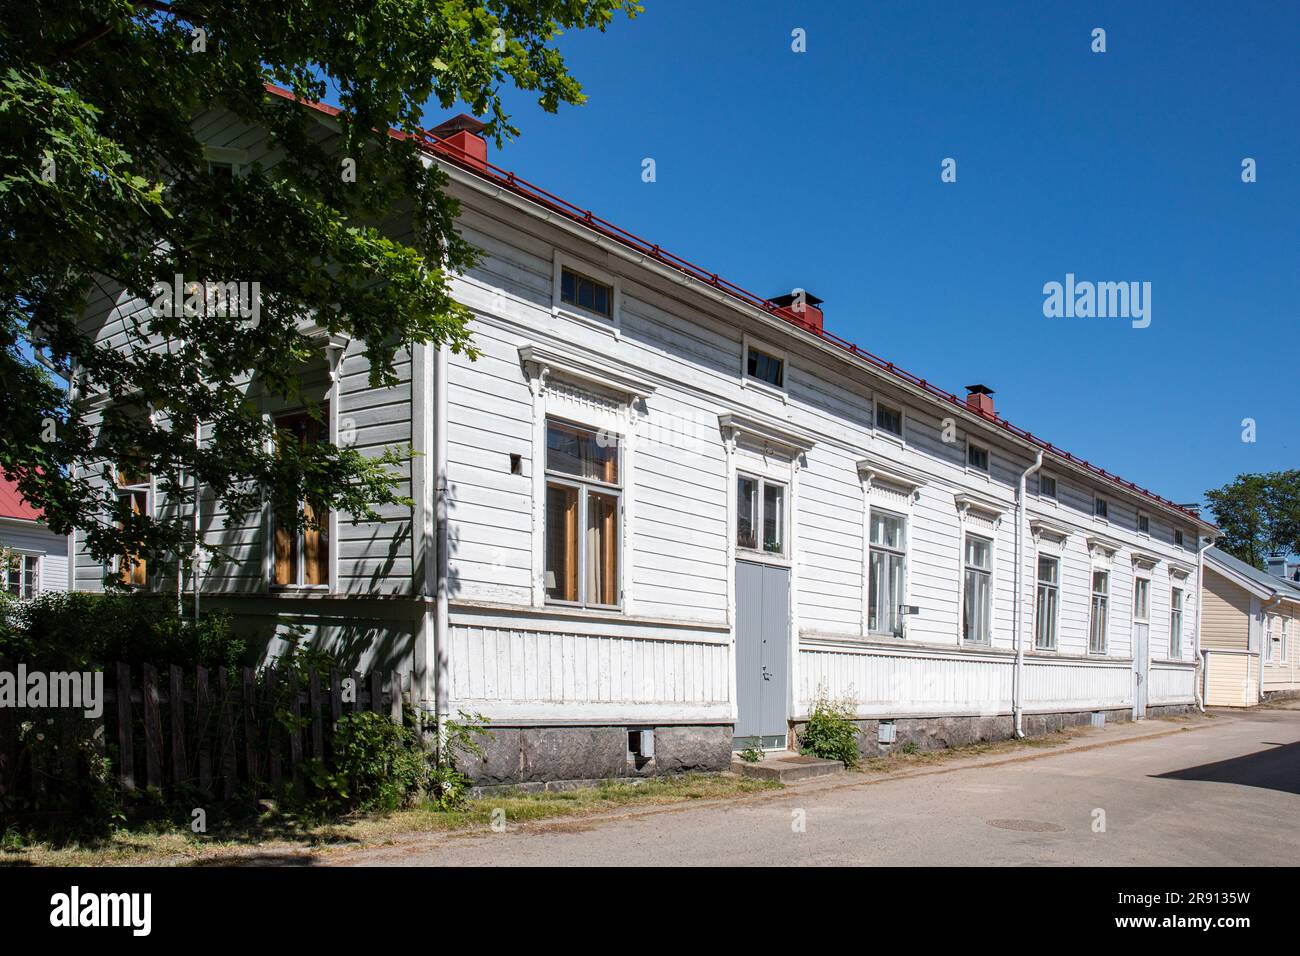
168,730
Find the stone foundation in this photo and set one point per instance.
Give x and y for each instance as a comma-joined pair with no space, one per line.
1170,710
532,757
939,733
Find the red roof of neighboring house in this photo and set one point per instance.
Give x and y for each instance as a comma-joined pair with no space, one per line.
448,151
12,504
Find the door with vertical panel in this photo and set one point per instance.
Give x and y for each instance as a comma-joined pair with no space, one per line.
762,654
1141,644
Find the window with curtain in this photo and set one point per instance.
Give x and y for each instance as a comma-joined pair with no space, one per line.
1098,621
887,570
133,483
1176,623
1047,603
23,578
583,508
760,515
302,554
977,597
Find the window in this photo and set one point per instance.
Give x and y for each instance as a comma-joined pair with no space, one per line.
1178,537
977,596
977,457
1101,508
887,566
301,554
23,579
583,508
1047,604
765,367
1097,624
1286,639
889,419
1141,600
221,171
760,515
133,497
1176,623
1144,524
1268,640
1047,487
586,293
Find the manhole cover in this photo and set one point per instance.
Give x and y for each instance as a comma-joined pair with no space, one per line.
1027,826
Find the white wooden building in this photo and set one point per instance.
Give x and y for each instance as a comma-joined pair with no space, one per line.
37,558
674,514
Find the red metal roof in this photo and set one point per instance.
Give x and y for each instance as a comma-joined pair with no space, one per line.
522,187
12,504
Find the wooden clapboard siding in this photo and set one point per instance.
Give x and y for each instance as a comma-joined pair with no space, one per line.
1226,613
1232,678
1284,675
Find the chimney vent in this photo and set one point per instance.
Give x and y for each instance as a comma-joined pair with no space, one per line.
979,398
800,307
462,137
1276,564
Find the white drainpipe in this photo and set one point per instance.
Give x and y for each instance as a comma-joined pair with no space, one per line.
1022,528
441,670
1204,664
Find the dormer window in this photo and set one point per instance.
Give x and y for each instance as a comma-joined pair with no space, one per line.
586,293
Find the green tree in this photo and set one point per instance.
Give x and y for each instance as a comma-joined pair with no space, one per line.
105,189
1258,514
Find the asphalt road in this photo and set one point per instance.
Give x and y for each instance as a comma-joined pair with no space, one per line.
1224,793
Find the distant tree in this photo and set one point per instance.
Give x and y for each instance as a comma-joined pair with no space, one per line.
104,187
1259,514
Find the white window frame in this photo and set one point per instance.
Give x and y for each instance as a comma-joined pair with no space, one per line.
903,552
760,505
747,381
584,486
611,325
899,438
1143,516
986,639
22,557
1101,508
1268,640
330,407
1039,585
1286,640
1054,497
1176,622
148,489
1179,538
988,456
1093,595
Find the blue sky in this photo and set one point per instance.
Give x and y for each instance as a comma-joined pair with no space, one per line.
822,170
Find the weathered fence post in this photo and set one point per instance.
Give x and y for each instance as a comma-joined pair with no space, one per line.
153,738
314,702
275,732
176,713
125,740
229,762
203,729
250,728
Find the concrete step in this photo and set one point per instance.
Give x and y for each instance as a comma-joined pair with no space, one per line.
786,767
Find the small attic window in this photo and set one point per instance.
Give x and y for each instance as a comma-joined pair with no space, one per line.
586,293
765,367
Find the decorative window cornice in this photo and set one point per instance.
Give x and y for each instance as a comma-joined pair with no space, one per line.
1102,547
1051,530
971,501
876,468
1145,560
540,362
771,433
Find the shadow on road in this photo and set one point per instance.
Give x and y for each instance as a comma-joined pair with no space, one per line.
1275,769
